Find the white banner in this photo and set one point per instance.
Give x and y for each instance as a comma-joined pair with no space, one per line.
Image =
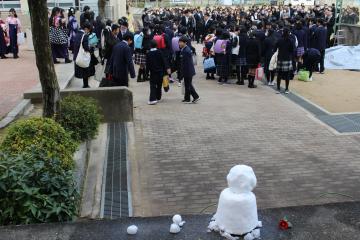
343,57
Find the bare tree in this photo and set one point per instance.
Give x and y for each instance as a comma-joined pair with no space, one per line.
40,32
101,6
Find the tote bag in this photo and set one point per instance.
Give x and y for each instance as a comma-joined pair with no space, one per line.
83,58
303,75
20,38
259,73
209,65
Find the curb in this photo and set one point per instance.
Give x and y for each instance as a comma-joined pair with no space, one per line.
21,109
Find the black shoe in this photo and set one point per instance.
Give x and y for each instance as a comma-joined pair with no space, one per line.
86,86
56,62
242,82
186,101
67,60
208,77
16,56
3,57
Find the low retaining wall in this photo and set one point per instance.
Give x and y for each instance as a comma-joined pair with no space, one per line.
116,102
352,34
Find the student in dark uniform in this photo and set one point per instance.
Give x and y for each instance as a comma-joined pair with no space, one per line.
121,62
156,65
188,71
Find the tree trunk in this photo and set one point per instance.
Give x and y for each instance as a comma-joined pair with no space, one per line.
40,31
101,6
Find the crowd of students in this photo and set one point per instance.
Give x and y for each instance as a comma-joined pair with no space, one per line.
236,42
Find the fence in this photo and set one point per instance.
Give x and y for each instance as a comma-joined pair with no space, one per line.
6,5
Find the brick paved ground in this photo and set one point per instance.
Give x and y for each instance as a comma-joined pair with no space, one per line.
16,76
185,151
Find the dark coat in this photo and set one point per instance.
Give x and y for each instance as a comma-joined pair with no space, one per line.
121,62
3,48
189,24
155,63
81,72
286,49
207,26
301,37
269,47
243,39
187,64
110,42
320,36
253,56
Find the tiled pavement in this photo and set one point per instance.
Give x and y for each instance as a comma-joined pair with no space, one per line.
185,151
16,76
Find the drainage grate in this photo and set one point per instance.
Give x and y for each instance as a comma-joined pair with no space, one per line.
116,192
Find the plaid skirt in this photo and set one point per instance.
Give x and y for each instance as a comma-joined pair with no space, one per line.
235,60
223,70
284,66
140,58
300,51
242,61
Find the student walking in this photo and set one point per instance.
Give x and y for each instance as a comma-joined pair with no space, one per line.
156,65
188,71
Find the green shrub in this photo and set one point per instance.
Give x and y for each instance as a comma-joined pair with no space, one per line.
80,116
43,134
32,192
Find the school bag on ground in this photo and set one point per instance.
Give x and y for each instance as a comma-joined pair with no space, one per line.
175,44
160,40
138,40
220,46
303,75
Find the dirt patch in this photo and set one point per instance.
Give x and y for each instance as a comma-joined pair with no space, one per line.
337,91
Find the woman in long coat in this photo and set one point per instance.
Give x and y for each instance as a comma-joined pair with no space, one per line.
243,39
13,27
253,58
80,72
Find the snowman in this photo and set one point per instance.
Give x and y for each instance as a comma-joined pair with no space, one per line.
237,210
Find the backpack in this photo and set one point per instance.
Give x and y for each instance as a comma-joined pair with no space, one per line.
138,40
175,44
220,46
160,40
93,40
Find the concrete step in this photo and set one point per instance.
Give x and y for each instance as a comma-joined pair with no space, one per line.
64,73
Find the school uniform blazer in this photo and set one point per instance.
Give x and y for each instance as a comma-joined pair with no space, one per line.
320,36
187,63
121,63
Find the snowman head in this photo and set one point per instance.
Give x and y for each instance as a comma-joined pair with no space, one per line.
241,179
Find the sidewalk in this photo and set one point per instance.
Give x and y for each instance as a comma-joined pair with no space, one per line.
183,152
16,77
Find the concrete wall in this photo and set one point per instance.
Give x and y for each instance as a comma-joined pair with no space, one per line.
352,34
116,102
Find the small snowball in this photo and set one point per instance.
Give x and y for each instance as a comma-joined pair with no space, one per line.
132,230
249,236
256,233
174,228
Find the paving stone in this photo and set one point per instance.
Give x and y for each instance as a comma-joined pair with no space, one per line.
295,158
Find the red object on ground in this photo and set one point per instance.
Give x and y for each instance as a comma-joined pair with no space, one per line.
283,224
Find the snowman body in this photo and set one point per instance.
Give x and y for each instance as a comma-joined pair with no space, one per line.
237,210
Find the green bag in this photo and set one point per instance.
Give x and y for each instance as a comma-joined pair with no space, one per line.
303,75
